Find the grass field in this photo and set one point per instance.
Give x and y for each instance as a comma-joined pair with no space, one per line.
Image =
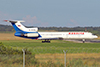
89,53
56,46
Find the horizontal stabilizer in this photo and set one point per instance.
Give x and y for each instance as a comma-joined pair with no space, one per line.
13,21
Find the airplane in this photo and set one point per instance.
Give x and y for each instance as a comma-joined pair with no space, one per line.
32,33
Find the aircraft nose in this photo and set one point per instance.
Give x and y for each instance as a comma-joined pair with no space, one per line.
95,36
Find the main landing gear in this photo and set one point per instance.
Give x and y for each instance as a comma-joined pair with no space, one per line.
46,41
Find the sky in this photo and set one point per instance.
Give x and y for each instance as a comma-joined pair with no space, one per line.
49,13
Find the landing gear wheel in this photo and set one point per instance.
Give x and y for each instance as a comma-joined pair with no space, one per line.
43,41
46,41
83,40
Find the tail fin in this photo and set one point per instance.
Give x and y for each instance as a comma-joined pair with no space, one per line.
20,28
17,25
22,31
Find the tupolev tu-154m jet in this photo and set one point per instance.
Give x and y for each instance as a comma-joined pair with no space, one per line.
32,33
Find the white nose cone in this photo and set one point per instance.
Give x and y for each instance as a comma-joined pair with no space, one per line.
95,36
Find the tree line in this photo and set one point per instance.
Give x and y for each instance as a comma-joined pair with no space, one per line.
94,30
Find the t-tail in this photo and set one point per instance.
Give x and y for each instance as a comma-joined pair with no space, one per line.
22,31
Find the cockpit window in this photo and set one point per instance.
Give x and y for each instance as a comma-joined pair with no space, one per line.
93,34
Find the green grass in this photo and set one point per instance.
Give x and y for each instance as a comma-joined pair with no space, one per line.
56,46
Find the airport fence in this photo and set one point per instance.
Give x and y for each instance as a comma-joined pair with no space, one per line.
66,58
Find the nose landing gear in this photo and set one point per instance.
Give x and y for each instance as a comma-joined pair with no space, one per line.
83,40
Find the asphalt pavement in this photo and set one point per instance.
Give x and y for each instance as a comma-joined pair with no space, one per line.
86,41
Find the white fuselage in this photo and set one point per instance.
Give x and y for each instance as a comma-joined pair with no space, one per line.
68,35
